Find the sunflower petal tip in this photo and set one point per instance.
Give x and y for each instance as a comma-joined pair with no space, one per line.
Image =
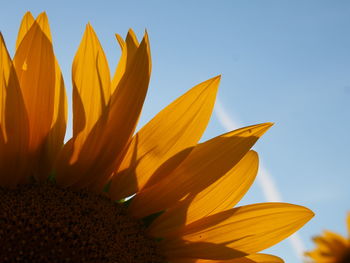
43,14
131,31
28,13
120,40
88,26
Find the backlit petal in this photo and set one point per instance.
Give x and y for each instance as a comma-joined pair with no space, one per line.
13,124
26,23
91,95
125,109
35,67
91,86
54,141
129,48
348,224
205,164
111,134
223,194
248,229
253,258
175,128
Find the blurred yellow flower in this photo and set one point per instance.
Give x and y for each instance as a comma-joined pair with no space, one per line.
331,247
173,195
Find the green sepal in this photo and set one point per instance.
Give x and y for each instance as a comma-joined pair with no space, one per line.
148,220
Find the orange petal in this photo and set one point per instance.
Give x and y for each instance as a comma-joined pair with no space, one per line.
108,138
253,258
91,86
348,223
125,109
175,128
264,258
200,250
129,48
224,194
27,22
91,95
54,141
205,164
34,62
13,123
248,229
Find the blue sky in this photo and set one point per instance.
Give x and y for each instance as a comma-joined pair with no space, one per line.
281,61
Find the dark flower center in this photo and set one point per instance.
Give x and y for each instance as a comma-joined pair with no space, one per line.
46,223
346,257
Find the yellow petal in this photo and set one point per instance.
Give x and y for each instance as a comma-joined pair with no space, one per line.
129,48
119,72
248,229
348,224
253,258
55,138
336,244
91,96
34,62
205,164
264,258
13,123
125,109
202,250
224,194
175,128
91,86
27,22
111,134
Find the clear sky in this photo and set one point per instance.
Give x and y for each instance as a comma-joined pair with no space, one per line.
281,61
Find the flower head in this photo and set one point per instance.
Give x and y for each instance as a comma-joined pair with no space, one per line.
331,247
112,195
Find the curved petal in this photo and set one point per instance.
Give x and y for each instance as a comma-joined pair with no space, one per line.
91,95
177,127
264,258
55,138
348,224
34,62
253,258
204,165
112,132
248,229
223,194
14,130
125,109
199,250
91,86
26,23
129,48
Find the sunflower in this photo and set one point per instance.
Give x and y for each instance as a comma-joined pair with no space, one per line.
331,247
112,195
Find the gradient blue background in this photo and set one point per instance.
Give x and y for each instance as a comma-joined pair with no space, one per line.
281,61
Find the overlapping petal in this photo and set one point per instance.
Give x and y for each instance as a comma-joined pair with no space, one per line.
193,186
208,162
253,258
223,194
54,140
176,128
248,229
26,23
128,48
95,156
14,130
34,62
